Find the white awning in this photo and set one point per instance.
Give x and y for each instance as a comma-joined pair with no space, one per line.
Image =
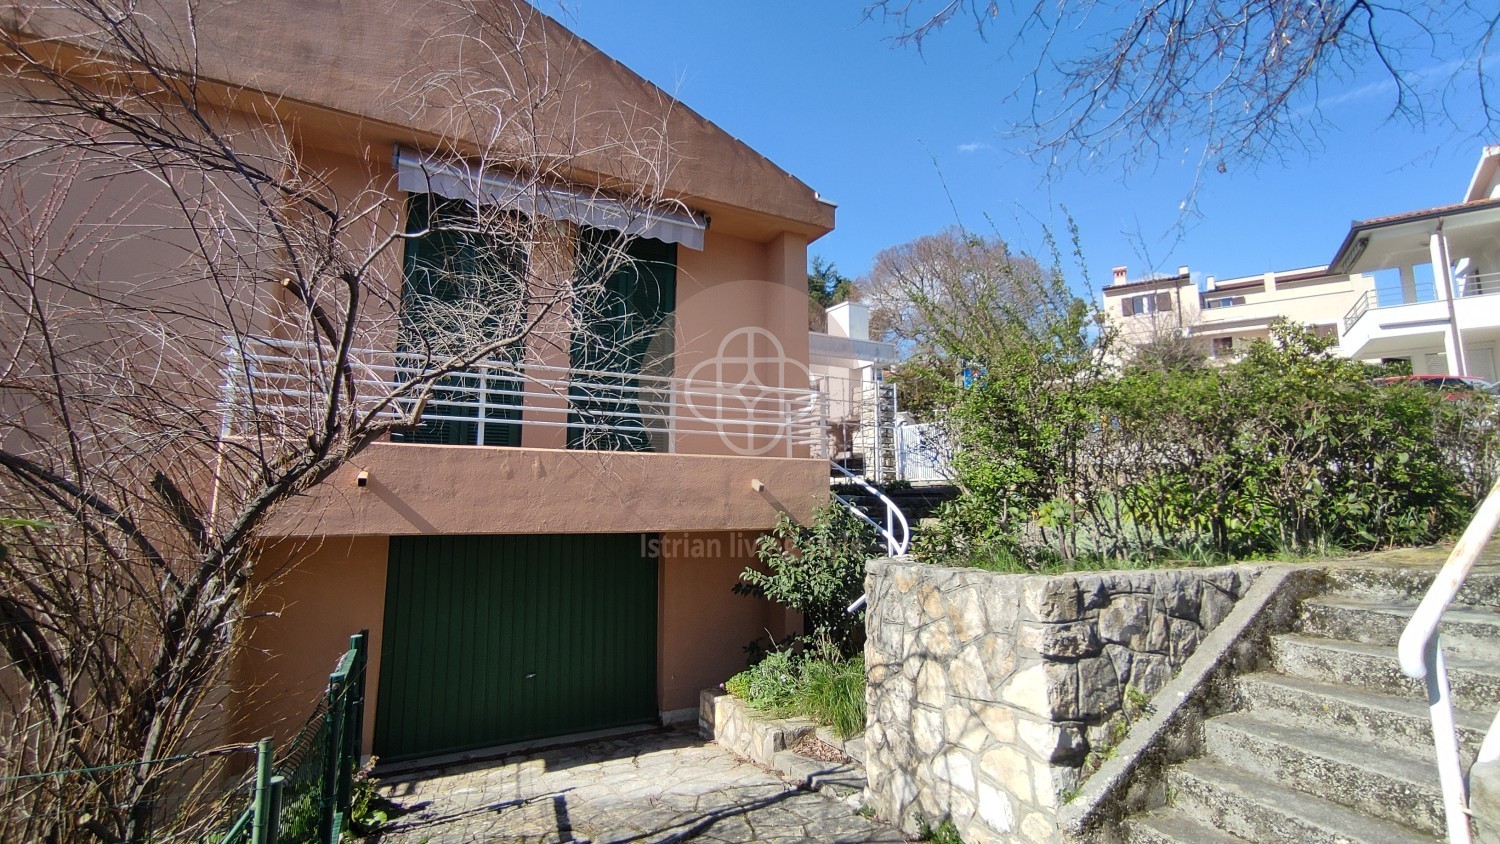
456,180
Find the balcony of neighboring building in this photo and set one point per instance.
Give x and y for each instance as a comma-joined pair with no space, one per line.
1436,274
1245,308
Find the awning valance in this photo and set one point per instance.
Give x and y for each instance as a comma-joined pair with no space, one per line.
456,180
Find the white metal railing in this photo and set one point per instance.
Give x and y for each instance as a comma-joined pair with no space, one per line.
1476,284
269,382
896,542
1421,655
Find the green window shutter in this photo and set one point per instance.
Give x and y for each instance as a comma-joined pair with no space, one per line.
625,328
461,285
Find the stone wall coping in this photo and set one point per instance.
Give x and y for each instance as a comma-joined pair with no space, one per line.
907,560
1102,797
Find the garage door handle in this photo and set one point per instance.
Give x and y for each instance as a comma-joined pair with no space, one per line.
531,676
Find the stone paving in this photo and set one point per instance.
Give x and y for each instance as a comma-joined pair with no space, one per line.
663,786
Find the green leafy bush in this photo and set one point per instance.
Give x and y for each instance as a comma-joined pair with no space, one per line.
769,685
818,684
1292,450
817,570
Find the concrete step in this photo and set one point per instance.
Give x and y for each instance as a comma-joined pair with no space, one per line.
1475,684
1263,812
1399,723
1397,786
1466,631
1407,586
1169,826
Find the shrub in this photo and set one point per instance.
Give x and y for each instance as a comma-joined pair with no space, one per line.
769,685
817,570
831,691
1291,450
818,684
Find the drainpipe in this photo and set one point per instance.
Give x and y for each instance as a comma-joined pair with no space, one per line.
1442,277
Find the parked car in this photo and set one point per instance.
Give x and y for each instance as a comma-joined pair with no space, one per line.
1453,387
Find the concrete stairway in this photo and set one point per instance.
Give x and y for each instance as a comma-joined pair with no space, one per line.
1330,742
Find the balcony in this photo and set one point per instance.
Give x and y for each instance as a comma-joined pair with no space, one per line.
274,386
1391,321
629,453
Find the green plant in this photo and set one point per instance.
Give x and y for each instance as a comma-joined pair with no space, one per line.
369,810
831,691
818,683
817,570
1291,451
944,833
299,817
770,685
1134,705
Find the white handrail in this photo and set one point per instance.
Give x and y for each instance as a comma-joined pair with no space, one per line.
1421,655
895,546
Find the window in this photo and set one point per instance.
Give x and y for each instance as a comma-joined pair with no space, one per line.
1150,303
1223,347
622,327
1224,302
464,283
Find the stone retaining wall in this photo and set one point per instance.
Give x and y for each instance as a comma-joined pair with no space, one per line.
987,691
744,732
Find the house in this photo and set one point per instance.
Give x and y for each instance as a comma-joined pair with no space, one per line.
551,549
1412,288
847,368
543,588
1435,269
1220,319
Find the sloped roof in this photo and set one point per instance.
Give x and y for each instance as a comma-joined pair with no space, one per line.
1345,252
1137,284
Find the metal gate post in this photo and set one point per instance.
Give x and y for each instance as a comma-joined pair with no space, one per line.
262,821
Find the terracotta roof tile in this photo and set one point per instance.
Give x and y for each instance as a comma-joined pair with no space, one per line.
1440,209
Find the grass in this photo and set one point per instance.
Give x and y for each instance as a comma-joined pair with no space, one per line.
820,685
833,694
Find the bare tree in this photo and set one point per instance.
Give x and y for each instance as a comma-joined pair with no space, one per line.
188,310
1233,81
962,294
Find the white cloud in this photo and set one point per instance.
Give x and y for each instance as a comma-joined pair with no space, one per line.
972,147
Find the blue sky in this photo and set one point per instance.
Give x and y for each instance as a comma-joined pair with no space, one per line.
907,143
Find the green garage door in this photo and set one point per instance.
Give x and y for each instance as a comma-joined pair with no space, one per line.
496,639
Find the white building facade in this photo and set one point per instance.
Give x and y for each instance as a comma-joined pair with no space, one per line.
1412,287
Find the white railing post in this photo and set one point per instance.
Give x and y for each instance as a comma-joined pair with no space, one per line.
1445,741
484,403
1421,657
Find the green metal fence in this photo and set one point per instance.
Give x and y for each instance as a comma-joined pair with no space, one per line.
304,795
300,796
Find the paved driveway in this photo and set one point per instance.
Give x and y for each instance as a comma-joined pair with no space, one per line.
663,786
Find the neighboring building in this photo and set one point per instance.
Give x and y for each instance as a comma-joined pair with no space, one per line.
1221,319
1436,270
1411,287
563,563
847,367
